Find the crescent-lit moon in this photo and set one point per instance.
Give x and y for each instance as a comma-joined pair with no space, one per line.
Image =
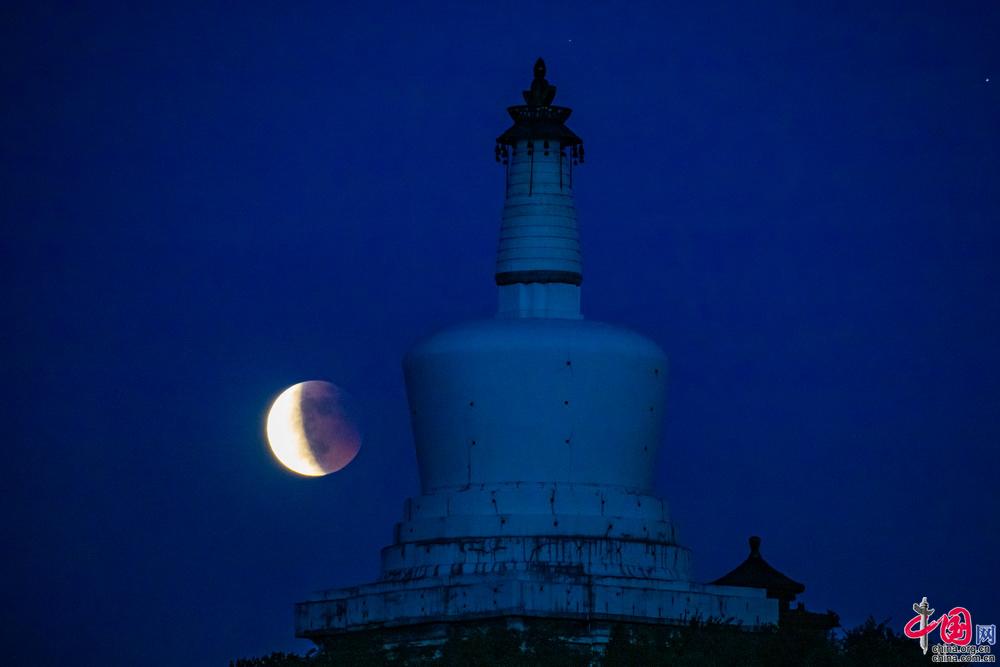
310,431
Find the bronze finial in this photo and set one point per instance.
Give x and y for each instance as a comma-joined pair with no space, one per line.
539,120
542,92
540,68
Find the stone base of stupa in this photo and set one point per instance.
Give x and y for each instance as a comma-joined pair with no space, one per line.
544,592
597,554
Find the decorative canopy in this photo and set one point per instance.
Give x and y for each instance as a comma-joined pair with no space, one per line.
538,119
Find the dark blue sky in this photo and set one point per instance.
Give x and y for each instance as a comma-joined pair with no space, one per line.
202,205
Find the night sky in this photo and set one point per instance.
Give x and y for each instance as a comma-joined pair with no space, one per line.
203,205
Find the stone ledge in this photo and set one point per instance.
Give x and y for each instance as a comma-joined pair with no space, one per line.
541,593
601,556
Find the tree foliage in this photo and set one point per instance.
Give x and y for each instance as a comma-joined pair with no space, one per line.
712,643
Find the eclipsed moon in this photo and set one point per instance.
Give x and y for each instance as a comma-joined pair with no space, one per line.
310,430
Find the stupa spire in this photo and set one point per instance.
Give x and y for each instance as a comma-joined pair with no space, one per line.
539,267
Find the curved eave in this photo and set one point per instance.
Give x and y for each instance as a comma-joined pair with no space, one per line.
757,573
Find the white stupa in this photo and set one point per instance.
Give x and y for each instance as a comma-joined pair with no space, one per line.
536,435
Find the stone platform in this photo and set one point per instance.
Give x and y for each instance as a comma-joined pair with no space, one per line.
598,554
543,592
